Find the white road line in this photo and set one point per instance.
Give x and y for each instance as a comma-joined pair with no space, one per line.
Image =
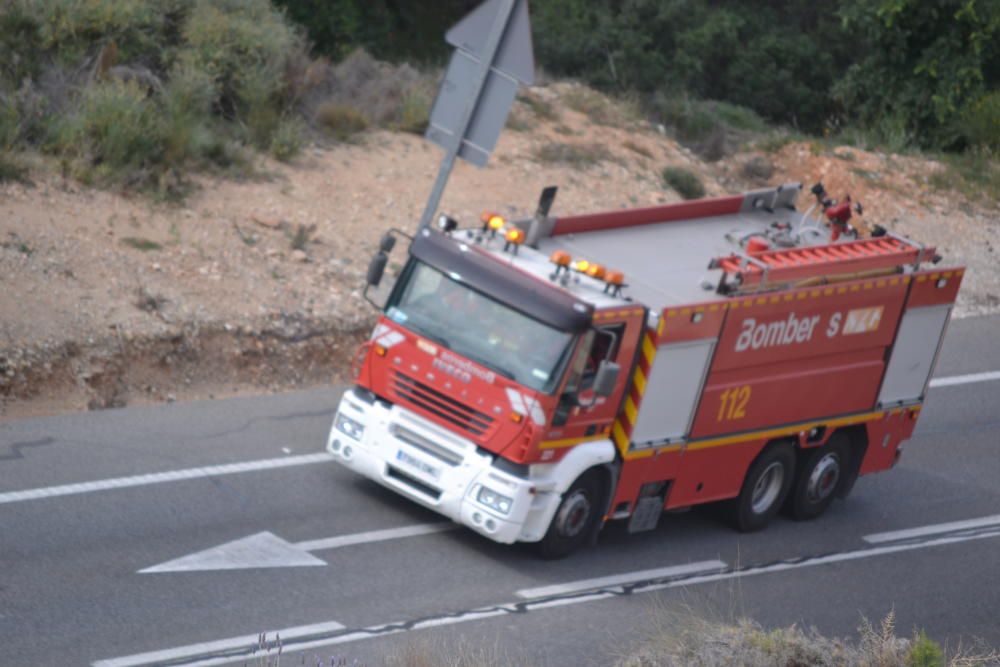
965,379
247,643
568,599
627,578
935,529
162,477
375,536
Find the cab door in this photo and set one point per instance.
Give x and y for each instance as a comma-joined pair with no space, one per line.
580,413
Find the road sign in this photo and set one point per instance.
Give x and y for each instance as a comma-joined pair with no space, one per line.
493,55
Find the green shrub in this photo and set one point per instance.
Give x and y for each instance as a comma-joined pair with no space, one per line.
10,124
980,122
684,182
577,155
286,141
925,652
245,47
415,112
710,128
11,167
114,134
186,104
341,120
70,28
141,244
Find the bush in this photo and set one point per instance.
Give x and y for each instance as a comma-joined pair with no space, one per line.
684,182
711,129
542,109
925,652
414,113
384,95
577,155
286,140
980,122
595,106
758,168
11,168
114,135
134,91
340,120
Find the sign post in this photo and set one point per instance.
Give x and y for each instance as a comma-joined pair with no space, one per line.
493,55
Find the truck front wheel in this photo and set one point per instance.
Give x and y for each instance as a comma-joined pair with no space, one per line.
764,490
823,472
575,518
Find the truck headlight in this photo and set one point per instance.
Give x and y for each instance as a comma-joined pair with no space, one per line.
494,500
349,427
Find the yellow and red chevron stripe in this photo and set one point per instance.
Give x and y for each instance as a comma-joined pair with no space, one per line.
621,431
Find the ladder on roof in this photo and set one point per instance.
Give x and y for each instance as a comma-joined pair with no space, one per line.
788,265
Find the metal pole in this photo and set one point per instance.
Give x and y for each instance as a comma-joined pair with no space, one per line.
448,163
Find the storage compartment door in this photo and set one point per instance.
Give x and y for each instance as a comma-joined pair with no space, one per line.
672,391
913,355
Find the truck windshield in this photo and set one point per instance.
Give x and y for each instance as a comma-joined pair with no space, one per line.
479,328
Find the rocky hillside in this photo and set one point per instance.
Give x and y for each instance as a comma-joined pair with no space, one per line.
109,298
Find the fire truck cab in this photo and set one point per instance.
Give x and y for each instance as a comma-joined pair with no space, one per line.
533,380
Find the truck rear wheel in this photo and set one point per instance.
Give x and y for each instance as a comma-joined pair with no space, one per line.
765,488
575,518
823,472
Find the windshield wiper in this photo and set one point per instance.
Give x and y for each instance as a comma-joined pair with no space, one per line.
489,364
440,340
422,330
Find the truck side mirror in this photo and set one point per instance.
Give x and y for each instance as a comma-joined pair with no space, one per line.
377,267
387,243
607,378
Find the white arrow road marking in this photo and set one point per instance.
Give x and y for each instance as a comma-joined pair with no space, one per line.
162,477
701,567
243,644
935,529
304,643
266,549
965,379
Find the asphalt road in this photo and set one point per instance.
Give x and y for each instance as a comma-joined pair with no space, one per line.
72,591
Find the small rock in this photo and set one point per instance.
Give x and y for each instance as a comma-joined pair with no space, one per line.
300,256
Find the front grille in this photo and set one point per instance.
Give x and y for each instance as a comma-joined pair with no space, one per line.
442,406
429,447
413,482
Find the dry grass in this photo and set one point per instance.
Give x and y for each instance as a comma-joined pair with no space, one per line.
636,148
541,109
598,108
341,121
681,639
362,89
576,155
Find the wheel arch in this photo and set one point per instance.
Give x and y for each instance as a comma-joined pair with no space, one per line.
857,438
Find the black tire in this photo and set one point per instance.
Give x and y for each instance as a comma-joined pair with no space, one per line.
765,488
576,517
824,471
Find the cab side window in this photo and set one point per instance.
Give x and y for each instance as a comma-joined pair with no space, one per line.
606,342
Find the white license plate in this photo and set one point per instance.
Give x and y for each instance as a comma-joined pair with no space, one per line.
417,464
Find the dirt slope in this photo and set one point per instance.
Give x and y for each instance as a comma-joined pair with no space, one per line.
107,299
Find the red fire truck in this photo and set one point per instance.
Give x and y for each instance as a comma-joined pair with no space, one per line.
536,379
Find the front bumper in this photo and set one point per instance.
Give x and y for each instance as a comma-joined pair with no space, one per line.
438,469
